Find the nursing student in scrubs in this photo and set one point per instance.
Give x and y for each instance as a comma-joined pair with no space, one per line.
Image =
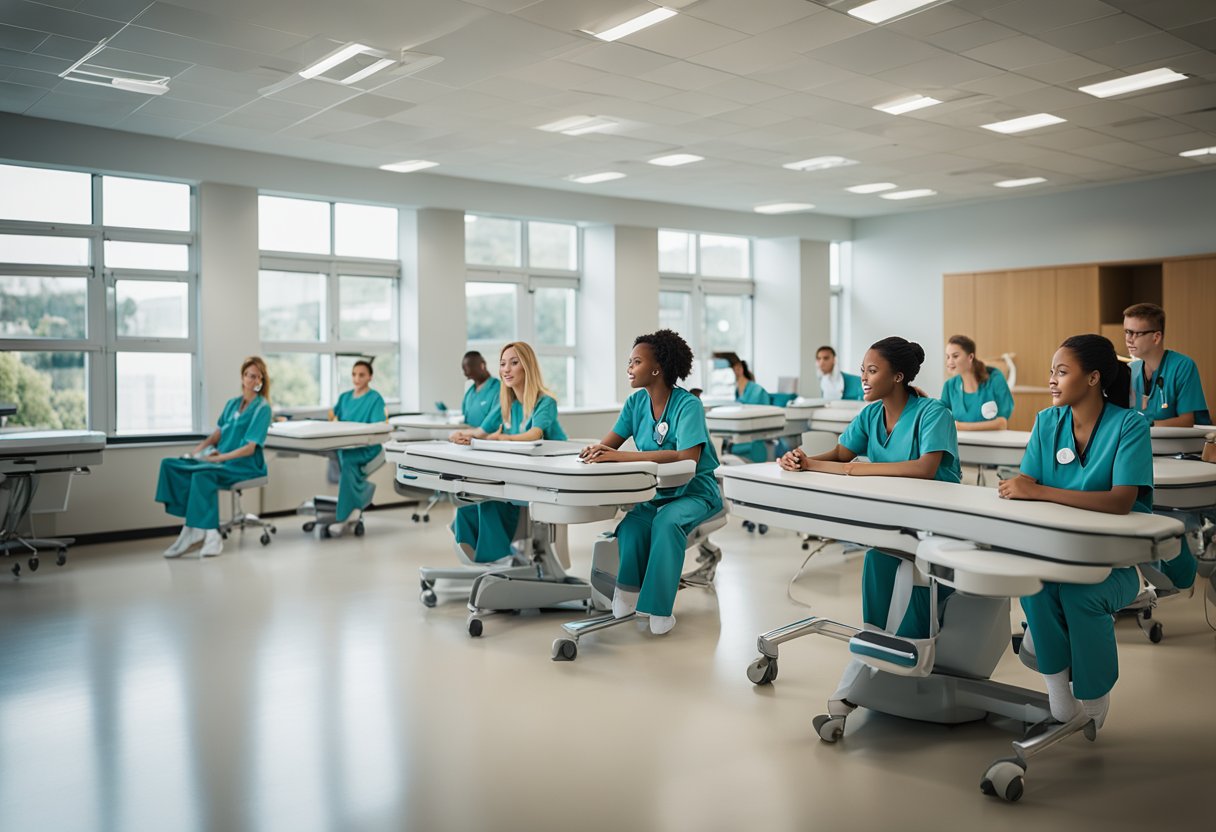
483,531
189,486
667,424
362,404
747,391
1088,451
481,398
976,394
903,434
1165,384
835,385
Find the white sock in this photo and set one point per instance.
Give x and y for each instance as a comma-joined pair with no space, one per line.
624,603
1097,709
336,529
213,543
660,624
1064,706
188,538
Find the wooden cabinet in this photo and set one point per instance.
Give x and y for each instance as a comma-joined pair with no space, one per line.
1030,311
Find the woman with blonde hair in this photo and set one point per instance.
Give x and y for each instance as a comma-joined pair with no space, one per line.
528,412
189,485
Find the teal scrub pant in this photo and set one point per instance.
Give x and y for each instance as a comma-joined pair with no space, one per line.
354,491
487,528
652,538
878,585
1182,569
190,488
751,451
1073,626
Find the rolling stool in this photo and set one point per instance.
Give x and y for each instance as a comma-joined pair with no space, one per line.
240,518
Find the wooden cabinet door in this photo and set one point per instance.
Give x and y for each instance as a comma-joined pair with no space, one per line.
1188,289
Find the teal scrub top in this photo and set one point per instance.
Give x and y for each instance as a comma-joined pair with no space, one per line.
1120,452
852,388
482,408
969,407
1174,390
238,428
685,418
752,394
366,408
544,416
925,426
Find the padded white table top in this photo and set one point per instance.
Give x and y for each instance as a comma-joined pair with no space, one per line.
452,421
1168,441
742,418
36,442
318,429
1183,483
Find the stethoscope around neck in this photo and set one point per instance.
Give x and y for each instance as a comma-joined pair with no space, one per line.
661,427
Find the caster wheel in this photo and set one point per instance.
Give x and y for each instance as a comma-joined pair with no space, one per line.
359,529
829,728
62,558
33,564
224,535
415,517
323,531
1004,779
426,518
1156,632
265,539
762,528
806,547
16,570
309,526
475,627
1016,639
564,650
274,530
429,599
762,671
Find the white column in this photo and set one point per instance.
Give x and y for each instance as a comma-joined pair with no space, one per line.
433,324
619,300
791,311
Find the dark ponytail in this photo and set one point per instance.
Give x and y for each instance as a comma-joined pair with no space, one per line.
733,359
747,374
1095,352
903,355
979,368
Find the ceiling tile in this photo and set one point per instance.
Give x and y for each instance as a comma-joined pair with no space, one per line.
933,21
1034,16
491,45
1097,33
821,30
971,35
685,76
1066,71
30,78
58,21
1186,97
217,29
743,57
152,42
20,40
803,73
939,72
172,128
754,16
875,51
1000,85
590,15
1017,52
697,102
744,91
620,58
683,36
34,61
165,107
1200,34
1169,14
17,98
1154,47
120,10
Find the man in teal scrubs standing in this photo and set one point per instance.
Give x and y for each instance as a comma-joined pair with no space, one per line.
1165,384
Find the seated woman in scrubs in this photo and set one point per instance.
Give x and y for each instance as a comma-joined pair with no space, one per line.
835,385
903,434
667,424
1088,451
747,391
976,394
362,404
481,397
189,486
483,531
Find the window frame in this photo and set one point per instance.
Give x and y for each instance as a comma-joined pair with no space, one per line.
102,343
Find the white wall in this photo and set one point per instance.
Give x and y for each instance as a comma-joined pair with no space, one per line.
898,261
433,318
791,310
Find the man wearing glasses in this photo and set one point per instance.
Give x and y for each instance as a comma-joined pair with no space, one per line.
1165,384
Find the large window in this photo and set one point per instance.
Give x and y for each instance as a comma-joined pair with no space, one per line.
327,296
98,292
706,296
523,285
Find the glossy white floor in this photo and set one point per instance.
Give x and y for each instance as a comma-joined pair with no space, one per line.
303,686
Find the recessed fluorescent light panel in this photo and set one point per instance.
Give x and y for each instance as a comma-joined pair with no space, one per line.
1199,151
83,72
913,194
409,166
676,159
579,125
1020,183
1133,83
907,105
783,207
820,163
338,56
872,188
1021,125
594,178
636,25
880,11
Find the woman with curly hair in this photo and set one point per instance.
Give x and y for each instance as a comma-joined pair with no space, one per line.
667,424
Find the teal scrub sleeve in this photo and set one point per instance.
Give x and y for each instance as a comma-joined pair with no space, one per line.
626,420
1001,394
259,424
544,416
856,436
753,393
689,424
1190,392
1041,434
493,420
852,388
936,431
466,403
1133,463
948,393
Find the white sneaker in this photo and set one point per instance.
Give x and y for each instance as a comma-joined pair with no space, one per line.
336,529
188,539
662,624
213,543
624,603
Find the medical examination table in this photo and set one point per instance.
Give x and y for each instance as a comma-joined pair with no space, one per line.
960,536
